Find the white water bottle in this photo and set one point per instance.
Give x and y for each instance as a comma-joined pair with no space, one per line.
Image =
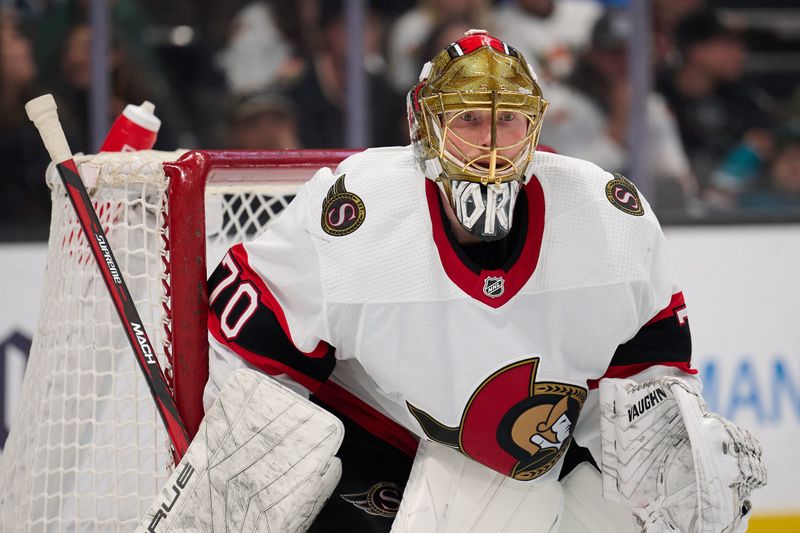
135,129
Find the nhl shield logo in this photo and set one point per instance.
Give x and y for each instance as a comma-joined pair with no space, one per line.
493,287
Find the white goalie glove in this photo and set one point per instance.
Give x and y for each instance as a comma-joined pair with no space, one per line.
262,460
679,466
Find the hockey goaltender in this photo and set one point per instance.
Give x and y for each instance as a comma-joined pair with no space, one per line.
488,333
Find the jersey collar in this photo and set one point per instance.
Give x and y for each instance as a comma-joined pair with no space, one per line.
491,287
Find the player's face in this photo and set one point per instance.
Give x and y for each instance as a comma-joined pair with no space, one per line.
470,134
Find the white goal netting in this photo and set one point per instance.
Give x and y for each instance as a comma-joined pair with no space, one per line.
87,451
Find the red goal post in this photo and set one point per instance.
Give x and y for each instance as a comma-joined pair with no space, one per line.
188,178
87,450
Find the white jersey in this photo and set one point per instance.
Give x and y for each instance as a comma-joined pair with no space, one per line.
359,293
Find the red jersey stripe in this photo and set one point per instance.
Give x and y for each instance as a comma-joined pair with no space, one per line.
676,302
368,418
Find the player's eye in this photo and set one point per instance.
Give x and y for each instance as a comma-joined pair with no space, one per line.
507,117
468,117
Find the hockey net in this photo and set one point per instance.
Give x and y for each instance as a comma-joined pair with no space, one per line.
87,451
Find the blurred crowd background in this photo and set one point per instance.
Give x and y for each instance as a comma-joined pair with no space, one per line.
723,117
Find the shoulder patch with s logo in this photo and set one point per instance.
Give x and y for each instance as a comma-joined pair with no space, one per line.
342,211
623,195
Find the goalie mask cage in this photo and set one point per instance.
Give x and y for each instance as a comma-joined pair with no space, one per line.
87,450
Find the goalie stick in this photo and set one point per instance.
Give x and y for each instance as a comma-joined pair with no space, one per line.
42,112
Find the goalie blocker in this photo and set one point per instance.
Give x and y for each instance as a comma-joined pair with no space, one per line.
678,465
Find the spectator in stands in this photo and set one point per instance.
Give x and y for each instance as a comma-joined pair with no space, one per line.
549,33
667,15
18,70
63,55
261,49
319,93
24,196
794,103
130,83
741,168
715,109
779,186
263,121
444,33
588,116
412,28
128,28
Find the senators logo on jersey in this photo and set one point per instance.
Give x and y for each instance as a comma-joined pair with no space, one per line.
623,195
512,424
342,211
382,499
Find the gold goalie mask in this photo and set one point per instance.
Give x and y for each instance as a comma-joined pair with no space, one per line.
475,118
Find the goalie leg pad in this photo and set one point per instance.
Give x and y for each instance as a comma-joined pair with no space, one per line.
679,466
585,509
262,460
447,492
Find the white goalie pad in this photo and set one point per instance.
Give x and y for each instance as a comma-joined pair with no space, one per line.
447,492
679,466
262,460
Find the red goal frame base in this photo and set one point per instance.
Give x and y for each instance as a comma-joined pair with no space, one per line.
188,178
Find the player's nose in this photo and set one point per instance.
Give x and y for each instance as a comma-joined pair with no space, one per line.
485,136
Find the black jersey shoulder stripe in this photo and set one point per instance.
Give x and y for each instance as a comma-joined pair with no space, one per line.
265,340
270,351
664,340
216,277
266,298
626,371
657,342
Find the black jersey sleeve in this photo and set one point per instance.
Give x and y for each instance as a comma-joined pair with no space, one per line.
664,340
247,318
